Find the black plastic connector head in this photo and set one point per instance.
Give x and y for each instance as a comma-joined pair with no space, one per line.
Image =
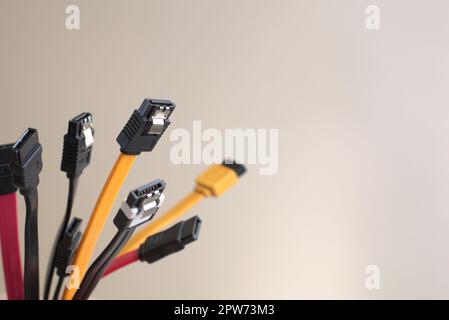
6,183
172,240
141,205
239,169
26,161
65,250
78,143
146,126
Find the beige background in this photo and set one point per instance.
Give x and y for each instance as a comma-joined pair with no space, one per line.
363,125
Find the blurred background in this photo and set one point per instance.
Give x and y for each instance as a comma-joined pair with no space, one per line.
363,124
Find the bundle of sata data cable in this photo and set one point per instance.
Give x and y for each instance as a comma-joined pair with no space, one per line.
71,258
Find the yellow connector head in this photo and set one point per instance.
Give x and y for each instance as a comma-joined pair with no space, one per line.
218,178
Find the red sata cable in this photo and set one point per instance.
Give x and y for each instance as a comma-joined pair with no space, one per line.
9,237
160,245
122,261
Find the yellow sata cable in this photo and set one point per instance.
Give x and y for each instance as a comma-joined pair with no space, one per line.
213,182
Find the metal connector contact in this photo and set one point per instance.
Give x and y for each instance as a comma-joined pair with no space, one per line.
145,127
82,127
141,205
158,115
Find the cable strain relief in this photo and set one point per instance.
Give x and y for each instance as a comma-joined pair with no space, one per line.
162,244
32,192
7,189
203,191
74,175
6,181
